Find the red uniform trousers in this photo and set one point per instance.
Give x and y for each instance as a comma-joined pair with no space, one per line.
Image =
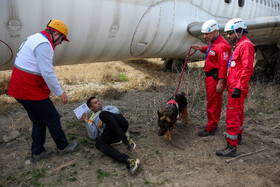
214,103
235,116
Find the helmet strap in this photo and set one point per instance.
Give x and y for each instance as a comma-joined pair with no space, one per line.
238,38
51,33
241,34
60,35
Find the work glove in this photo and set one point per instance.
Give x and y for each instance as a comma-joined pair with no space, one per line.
236,93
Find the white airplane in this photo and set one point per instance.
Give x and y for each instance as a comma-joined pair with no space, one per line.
107,30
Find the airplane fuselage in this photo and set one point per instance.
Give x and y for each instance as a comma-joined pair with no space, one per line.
103,30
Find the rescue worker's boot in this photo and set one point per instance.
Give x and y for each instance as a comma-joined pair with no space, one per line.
228,151
204,133
239,139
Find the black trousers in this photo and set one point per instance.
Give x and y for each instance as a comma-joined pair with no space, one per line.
43,114
116,126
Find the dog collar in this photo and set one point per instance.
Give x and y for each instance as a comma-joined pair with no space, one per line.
176,104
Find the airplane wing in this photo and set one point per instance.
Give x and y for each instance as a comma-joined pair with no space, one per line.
262,30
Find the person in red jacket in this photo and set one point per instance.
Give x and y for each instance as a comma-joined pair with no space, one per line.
32,80
239,73
216,61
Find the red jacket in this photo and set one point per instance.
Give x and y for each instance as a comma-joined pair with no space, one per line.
218,56
241,65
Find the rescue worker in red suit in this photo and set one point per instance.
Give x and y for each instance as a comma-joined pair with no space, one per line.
239,73
216,61
32,80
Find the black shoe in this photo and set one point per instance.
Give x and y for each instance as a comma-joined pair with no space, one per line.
132,165
204,127
43,155
131,145
71,147
205,133
228,151
239,139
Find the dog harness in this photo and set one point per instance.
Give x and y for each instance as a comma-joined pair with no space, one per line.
176,104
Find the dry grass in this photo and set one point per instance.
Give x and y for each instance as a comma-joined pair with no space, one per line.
263,97
110,79
7,103
4,81
113,79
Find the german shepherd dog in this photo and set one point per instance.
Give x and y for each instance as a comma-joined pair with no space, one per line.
174,109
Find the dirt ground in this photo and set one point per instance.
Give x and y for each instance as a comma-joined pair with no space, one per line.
186,160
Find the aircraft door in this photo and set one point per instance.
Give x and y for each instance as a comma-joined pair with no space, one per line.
153,30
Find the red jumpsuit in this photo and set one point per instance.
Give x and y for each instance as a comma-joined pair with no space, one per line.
217,58
240,70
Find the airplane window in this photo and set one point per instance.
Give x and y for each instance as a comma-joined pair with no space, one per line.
264,2
241,3
227,1
261,1
268,3
256,0
278,6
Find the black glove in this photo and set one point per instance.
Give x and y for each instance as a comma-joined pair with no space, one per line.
236,93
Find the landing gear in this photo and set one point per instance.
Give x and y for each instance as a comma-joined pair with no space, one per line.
175,66
167,65
267,67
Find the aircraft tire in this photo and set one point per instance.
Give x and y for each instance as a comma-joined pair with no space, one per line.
167,65
177,66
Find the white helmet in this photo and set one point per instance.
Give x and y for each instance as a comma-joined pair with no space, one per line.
210,26
234,24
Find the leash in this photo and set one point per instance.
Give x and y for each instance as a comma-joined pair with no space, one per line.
189,54
172,101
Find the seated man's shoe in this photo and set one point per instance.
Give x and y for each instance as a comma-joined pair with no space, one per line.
131,145
127,133
228,151
71,147
204,133
239,137
43,155
132,165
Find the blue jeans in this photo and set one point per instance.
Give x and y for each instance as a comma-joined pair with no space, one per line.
43,114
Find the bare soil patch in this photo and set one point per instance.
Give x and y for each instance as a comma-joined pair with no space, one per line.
186,160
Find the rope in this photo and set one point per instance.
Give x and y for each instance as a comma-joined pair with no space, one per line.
12,54
189,54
